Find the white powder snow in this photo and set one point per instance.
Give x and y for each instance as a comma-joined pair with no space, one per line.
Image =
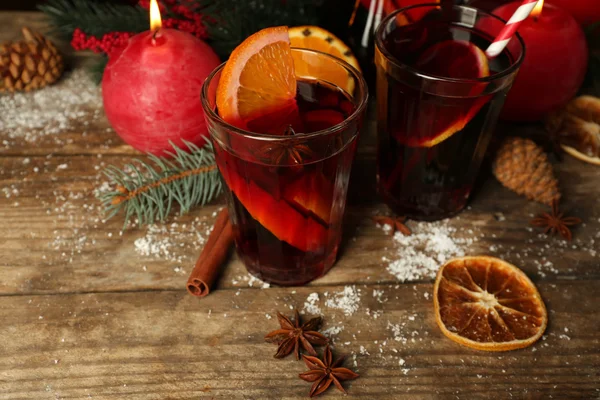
332,331
311,304
251,281
347,300
54,109
174,242
420,255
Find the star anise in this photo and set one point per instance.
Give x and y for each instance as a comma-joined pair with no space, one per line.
556,222
285,151
397,224
292,336
323,373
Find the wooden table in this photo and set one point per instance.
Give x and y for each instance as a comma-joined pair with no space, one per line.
85,315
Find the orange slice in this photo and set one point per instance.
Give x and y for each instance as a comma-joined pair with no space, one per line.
280,218
315,38
488,304
257,88
457,59
312,193
577,126
257,91
579,155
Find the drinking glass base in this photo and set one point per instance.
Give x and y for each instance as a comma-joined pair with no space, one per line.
288,276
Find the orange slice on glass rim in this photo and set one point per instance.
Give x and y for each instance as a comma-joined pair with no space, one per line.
316,38
257,88
488,304
257,92
458,59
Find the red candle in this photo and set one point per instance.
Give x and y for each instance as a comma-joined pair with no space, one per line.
151,89
554,66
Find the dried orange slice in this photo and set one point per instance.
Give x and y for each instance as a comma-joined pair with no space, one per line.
488,304
315,38
577,126
258,83
579,155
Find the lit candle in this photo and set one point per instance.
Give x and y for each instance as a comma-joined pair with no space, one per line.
151,88
554,66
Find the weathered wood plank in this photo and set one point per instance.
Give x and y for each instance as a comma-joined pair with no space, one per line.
53,238
157,345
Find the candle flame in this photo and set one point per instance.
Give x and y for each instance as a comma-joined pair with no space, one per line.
537,10
155,20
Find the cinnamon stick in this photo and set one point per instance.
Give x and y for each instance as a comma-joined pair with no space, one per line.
212,257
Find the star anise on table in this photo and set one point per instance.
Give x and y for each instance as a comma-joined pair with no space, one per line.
324,373
397,224
292,336
556,222
285,151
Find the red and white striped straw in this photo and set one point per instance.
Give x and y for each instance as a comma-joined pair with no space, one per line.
510,28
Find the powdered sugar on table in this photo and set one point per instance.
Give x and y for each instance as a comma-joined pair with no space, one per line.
73,101
420,255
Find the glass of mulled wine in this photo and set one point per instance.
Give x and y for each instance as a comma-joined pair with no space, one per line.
438,100
287,191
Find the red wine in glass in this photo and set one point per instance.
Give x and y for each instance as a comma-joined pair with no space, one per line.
438,99
287,196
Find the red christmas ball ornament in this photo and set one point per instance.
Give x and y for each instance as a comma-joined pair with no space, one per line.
585,12
555,63
151,89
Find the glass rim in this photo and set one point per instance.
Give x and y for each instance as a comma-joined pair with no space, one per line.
490,78
357,75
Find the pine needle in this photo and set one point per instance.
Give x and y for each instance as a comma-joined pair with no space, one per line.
97,69
94,17
230,23
149,190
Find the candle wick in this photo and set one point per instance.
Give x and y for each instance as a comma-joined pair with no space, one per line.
154,36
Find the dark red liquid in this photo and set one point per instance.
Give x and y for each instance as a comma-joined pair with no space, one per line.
287,198
430,146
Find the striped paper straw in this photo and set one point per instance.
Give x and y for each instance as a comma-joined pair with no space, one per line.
510,28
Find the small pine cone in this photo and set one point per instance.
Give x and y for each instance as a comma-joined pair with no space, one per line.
29,64
523,167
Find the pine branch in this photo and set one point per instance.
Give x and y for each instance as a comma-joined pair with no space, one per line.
148,191
97,69
229,24
94,17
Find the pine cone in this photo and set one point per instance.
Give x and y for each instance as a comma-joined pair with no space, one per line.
29,64
523,167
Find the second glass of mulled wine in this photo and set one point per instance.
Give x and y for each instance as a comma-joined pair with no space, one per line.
287,192
438,100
